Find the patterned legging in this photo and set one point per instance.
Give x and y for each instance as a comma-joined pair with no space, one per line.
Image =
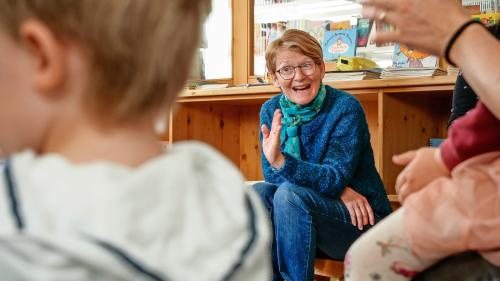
384,254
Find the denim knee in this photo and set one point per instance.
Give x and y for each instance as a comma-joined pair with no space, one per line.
289,196
266,192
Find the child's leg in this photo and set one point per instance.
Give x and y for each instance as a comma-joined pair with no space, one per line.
383,253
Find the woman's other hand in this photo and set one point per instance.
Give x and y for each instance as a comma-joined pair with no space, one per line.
271,141
426,25
360,210
422,167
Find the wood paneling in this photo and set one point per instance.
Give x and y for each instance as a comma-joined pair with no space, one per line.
371,111
215,124
250,151
409,121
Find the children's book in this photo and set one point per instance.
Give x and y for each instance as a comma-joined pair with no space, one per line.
488,19
316,29
338,43
339,25
405,57
363,29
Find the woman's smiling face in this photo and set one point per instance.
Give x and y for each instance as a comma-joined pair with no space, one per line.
301,88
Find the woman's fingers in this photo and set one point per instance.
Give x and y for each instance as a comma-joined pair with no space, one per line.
352,213
371,216
276,119
276,125
265,131
359,216
368,217
364,212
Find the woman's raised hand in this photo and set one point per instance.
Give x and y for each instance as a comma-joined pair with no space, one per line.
271,141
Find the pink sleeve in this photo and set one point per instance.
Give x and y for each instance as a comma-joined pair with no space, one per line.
475,133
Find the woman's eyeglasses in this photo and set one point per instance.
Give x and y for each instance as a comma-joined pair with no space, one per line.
288,72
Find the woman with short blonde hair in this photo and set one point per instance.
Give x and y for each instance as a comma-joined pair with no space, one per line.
315,143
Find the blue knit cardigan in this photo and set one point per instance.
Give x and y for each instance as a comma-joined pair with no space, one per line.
335,150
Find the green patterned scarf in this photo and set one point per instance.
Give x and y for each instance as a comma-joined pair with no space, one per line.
293,116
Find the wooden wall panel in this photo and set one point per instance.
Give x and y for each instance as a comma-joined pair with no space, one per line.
215,124
371,112
409,122
250,163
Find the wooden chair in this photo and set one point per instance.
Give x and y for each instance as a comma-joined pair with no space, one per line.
328,270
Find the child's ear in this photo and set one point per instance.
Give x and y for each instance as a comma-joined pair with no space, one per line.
48,54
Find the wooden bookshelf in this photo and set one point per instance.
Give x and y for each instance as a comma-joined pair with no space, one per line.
402,114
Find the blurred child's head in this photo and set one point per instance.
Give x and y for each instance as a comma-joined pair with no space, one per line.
128,58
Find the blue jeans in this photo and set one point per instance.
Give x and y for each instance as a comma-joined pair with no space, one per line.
305,220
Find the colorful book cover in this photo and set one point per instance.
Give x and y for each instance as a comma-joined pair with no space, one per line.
316,29
488,19
404,57
339,43
339,25
363,28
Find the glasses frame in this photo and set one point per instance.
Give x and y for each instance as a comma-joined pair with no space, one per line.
295,72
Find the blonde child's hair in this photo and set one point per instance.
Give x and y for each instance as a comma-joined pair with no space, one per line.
140,51
297,41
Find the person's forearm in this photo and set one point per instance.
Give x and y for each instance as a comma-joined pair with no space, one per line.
477,53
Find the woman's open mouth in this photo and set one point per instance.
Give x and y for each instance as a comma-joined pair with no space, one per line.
301,89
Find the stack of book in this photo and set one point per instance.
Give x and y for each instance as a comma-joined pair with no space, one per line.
392,72
372,73
407,62
453,70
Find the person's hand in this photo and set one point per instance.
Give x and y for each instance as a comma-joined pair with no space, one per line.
422,166
360,210
271,141
426,25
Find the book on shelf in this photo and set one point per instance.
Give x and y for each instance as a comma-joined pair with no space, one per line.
363,29
407,62
392,72
355,75
488,19
265,33
338,43
435,142
452,70
405,57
